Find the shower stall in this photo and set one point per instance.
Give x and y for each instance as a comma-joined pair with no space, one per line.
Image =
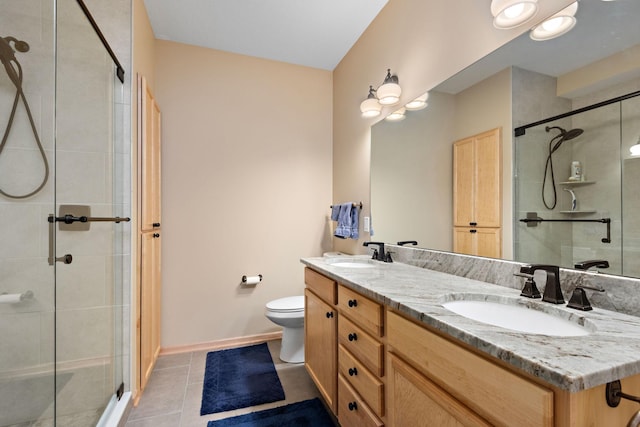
64,198
580,159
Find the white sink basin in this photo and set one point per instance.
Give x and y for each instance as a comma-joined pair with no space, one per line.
516,318
350,263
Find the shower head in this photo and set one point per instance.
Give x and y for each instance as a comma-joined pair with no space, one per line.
563,136
7,52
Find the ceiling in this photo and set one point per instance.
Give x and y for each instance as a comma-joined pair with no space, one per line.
311,33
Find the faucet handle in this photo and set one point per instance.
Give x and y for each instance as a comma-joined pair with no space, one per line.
579,299
530,290
375,254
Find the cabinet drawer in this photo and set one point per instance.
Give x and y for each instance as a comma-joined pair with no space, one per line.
352,410
368,386
493,392
362,345
365,312
321,285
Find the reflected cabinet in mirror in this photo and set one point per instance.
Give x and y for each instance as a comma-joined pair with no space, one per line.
570,188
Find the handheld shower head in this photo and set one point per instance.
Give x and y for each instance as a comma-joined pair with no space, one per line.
564,135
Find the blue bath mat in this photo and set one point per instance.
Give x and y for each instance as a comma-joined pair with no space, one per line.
308,413
238,378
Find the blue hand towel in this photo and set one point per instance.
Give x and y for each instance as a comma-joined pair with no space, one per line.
343,229
354,223
335,212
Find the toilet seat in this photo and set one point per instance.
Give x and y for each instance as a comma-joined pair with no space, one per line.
286,305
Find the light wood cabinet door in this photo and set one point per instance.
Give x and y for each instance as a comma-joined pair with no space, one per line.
416,401
463,181
477,180
488,175
321,346
485,242
149,231
150,160
150,296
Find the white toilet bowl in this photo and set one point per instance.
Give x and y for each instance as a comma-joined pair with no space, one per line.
289,313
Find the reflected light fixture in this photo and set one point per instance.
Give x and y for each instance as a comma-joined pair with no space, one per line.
418,104
389,92
396,116
557,25
370,107
635,149
511,13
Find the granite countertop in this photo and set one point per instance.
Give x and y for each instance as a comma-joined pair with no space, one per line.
611,350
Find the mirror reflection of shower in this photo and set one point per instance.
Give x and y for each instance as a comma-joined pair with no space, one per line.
563,136
14,72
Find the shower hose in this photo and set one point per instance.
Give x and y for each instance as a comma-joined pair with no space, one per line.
14,71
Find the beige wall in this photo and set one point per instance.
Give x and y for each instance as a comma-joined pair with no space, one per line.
246,186
423,43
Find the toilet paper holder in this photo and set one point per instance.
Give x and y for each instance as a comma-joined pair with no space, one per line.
251,280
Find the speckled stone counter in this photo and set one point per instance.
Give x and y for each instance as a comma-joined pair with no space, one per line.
611,351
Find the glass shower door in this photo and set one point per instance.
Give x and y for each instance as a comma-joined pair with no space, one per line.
89,281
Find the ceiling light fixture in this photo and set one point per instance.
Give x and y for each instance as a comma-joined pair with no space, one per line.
418,104
396,116
370,107
389,92
511,13
635,149
557,25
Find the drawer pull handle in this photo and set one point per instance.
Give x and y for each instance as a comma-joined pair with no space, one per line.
353,337
353,303
353,406
329,314
473,231
353,371
473,224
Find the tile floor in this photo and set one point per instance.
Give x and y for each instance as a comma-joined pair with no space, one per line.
174,392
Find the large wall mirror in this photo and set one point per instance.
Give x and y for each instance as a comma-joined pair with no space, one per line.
573,216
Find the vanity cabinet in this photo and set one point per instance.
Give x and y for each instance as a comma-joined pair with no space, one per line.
461,386
321,339
477,192
360,360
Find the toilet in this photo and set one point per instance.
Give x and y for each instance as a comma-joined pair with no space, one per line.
289,313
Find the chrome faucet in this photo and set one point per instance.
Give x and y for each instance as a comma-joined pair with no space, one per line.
378,254
552,291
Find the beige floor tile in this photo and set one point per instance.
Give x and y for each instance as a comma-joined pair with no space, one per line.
164,393
174,394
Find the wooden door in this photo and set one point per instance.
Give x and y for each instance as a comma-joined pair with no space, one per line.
488,185
321,341
463,181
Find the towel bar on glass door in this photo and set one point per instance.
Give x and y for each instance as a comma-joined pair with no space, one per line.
70,219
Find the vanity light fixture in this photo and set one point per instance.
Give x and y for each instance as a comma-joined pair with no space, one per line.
511,13
418,104
557,25
397,115
635,149
389,92
370,107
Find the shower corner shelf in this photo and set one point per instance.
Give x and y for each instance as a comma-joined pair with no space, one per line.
576,183
577,212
